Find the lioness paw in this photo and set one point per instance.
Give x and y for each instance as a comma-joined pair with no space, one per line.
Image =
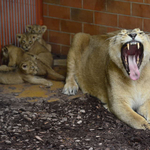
70,88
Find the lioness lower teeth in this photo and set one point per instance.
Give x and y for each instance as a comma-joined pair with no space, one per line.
128,46
138,45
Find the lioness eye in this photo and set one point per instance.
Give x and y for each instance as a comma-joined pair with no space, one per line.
30,42
33,31
23,41
39,31
141,33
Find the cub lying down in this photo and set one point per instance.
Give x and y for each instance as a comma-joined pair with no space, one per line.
116,70
25,73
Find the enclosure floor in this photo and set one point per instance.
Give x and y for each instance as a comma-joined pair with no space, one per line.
34,93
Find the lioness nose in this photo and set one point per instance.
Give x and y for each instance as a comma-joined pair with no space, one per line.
133,35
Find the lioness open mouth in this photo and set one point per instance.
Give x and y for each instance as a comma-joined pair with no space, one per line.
132,55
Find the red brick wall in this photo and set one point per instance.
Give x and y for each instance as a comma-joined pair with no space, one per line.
64,18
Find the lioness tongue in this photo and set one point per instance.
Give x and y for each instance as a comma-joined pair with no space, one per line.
134,71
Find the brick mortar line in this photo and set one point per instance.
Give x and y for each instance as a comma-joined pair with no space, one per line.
132,2
93,17
82,27
118,20
83,32
60,49
98,25
82,3
142,24
98,12
70,44
59,44
131,9
70,39
90,9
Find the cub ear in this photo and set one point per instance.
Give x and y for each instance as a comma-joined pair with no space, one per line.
29,28
24,66
4,50
19,37
44,28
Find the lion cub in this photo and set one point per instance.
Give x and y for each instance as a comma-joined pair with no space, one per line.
39,30
25,73
30,44
11,57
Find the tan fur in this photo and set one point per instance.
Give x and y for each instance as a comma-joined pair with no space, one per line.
42,68
94,64
25,73
40,30
11,57
28,41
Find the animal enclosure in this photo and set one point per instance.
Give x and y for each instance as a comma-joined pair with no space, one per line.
15,15
64,18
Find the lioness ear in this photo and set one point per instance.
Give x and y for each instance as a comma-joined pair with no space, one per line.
123,31
44,28
29,28
19,37
136,30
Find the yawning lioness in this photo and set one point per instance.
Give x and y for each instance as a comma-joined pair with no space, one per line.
114,69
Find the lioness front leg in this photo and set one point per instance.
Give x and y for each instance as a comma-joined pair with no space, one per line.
144,110
79,45
71,86
125,113
38,80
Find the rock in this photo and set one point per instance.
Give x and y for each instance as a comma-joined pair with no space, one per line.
87,140
77,141
7,142
82,111
79,122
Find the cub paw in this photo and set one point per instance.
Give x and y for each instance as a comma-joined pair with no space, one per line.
70,88
49,84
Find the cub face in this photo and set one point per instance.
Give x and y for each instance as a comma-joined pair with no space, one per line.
36,29
26,40
130,51
29,67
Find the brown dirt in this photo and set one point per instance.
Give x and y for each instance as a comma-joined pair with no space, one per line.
73,123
